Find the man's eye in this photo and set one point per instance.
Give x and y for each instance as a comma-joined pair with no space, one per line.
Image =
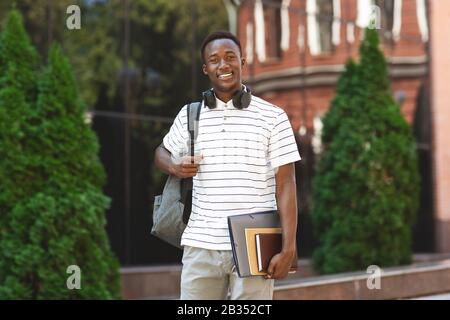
230,58
213,60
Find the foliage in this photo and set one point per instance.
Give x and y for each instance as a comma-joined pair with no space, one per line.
366,184
51,202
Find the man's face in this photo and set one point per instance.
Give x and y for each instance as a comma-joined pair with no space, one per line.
223,65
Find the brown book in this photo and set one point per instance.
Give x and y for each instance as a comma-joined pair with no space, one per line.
268,245
250,239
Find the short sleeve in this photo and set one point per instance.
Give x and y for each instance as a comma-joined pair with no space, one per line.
176,140
282,145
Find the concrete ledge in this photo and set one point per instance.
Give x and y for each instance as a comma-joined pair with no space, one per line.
429,275
158,282
396,283
150,282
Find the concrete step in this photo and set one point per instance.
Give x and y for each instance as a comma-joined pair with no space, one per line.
403,282
445,296
429,275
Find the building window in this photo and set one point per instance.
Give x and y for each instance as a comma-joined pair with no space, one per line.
421,11
387,19
272,17
325,24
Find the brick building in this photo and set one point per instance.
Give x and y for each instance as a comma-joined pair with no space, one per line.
284,55
440,98
296,50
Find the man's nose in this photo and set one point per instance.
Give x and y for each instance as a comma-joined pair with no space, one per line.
223,64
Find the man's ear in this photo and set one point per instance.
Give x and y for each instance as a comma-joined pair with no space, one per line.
243,61
204,70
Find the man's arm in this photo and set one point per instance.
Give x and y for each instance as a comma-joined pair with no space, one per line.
286,195
163,160
183,168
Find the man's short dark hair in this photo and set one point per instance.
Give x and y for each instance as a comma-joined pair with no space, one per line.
219,35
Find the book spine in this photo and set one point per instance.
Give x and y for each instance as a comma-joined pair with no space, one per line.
258,253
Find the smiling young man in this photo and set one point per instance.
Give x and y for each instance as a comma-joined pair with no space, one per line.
247,165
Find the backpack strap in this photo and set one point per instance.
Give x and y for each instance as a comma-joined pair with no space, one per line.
193,116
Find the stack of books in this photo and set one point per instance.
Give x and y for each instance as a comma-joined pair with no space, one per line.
262,245
255,239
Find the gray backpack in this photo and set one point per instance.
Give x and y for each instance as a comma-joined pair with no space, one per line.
172,208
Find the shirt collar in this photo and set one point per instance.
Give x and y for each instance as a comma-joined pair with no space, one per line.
226,105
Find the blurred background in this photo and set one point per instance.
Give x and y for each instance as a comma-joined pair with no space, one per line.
138,62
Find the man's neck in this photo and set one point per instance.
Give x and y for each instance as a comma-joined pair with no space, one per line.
223,96
226,96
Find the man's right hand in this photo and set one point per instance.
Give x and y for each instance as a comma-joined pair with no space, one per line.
185,167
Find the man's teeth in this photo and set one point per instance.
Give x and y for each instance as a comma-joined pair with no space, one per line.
222,76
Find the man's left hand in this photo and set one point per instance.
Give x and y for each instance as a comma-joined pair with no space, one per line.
279,265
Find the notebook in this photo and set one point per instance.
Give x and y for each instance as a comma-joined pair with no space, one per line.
267,245
237,225
251,236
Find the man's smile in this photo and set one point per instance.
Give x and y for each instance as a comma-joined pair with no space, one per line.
225,76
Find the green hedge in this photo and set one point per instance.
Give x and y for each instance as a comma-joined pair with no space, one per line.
52,208
366,184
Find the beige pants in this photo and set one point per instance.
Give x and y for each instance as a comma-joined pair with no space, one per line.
211,275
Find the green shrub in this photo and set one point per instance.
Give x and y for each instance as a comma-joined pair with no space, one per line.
51,201
366,184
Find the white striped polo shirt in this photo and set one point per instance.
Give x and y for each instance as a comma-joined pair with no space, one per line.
241,149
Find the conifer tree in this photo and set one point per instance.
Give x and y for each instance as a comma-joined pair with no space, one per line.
51,201
366,184
18,87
